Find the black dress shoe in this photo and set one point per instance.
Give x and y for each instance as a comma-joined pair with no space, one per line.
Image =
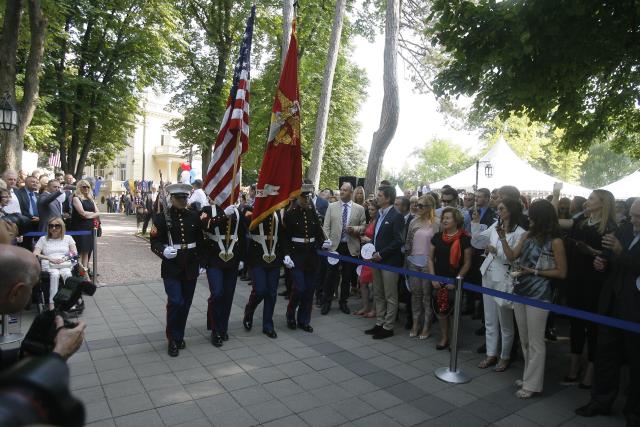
325,309
306,328
271,334
182,345
345,308
172,350
592,409
291,324
216,340
383,333
373,330
225,337
247,323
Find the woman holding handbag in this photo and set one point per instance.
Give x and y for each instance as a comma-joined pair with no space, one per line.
83,218
366,276
538,258
498,312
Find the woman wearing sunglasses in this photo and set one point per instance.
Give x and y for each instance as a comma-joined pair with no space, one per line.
55,251
421,230
84,213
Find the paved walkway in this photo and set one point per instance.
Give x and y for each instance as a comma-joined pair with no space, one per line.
335,376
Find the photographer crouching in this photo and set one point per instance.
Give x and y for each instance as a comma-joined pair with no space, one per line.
35,389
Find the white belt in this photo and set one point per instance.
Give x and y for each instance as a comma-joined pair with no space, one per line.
217,238
185,246
302,240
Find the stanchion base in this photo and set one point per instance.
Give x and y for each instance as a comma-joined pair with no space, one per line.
10,338
453,377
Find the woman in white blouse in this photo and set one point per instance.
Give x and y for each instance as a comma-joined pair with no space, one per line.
498,313
55,251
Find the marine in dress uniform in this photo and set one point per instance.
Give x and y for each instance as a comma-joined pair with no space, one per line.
222,259
264,259
303,236
180,261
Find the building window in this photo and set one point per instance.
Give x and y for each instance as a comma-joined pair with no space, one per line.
123,171
165,139
98,172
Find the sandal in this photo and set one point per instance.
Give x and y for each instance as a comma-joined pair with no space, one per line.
489,361
525,394
503,365
424,336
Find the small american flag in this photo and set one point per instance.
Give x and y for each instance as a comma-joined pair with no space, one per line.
229,147
54,160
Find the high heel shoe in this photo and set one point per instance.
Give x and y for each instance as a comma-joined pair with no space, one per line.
442,347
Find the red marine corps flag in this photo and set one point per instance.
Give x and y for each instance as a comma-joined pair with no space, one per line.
281,172
224,174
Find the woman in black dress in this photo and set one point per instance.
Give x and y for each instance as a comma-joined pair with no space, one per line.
82,219
449,256
584,283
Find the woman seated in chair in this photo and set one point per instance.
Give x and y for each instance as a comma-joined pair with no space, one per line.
55,251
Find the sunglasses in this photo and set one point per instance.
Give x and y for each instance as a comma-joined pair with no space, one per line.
55,226
85,186
420,206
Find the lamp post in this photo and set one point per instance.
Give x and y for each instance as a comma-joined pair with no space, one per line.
8,114
488,170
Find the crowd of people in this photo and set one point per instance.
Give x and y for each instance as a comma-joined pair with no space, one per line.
582,253
50,206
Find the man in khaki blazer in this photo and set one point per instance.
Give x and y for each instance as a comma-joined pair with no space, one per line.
343,224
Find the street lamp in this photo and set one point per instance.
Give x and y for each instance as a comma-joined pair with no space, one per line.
488,170
8,114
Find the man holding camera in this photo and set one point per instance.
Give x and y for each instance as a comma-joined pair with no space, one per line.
21,271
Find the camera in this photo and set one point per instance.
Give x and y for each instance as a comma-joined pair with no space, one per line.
21,221
36,391
40,339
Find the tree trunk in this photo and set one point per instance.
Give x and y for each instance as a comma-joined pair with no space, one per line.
287,19
390,101
61,134
317,152
8,47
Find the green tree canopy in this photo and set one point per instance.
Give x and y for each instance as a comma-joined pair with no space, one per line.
569,63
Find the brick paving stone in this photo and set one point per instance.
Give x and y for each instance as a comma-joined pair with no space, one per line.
204,389
268,411
353,408
147,419
406,414
130,404
180,413
322,417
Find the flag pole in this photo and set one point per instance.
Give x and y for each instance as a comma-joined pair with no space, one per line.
236,158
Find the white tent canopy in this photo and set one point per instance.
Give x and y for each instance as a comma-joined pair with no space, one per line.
629,186
509,169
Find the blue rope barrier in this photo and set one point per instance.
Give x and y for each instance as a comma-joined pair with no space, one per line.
611,322
68,233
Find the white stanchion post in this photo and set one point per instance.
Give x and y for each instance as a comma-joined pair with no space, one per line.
95,256
6,337
451,374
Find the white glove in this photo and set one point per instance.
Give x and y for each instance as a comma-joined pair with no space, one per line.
170,252
240,265
327,244
288,262
229,210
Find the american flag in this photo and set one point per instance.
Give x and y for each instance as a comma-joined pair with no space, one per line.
54,160
229,144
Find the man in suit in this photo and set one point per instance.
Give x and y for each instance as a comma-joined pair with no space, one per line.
28,198
11,179
343,224
620,298
49,204
387,239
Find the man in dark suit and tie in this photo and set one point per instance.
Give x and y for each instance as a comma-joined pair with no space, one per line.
620,298
48,204
28,198
403,206
387,239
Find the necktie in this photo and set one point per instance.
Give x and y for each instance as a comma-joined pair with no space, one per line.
345,212
33,203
